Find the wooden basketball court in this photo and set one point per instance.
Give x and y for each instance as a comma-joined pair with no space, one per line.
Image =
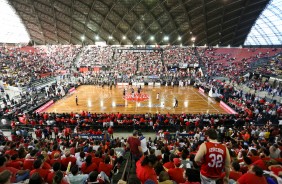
97,99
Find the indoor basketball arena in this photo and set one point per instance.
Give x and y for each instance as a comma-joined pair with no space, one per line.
141,91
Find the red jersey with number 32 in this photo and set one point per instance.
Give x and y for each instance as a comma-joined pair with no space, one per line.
214,160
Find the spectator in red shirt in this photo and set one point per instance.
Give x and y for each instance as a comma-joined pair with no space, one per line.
99,132
176,174
56,167
166,135
37,165
235,173
17,175
67,132
38,134
134,144
65,161
111,132
97,159
55,150
88,166
56,132
254,176
146,169
12,150
106,167
55,159
170,164
28,162
15,162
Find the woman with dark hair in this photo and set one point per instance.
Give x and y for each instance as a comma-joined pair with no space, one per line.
35,179
22,152
59,178
253,176
88,166
146,169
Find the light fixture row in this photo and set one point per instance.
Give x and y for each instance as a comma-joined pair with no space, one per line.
166,38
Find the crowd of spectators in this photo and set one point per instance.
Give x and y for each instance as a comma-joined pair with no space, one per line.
58,159
169,63
233,62
176,55
271,67
92,56
58,154
20,68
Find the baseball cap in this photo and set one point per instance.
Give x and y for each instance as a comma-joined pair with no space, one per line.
176,161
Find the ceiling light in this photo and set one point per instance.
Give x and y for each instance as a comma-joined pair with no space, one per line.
193,39
82,37
110,37
96,37
152,38
179,38
138,37
166,38
124,37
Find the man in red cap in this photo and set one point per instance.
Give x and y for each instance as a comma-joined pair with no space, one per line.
176,174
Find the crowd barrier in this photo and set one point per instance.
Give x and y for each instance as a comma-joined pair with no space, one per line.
45,106
92,136
156,84
71,90
102,136
122,84
172,136
201,90
227,108
138,84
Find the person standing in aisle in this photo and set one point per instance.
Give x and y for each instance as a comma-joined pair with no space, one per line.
134,145
213,157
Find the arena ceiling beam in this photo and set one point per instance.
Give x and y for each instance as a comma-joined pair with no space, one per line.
211,22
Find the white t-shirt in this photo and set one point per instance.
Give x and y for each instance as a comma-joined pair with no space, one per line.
143,144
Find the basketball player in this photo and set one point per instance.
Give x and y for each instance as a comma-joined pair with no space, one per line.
132,92
76,100
213,158
158,96
175,102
